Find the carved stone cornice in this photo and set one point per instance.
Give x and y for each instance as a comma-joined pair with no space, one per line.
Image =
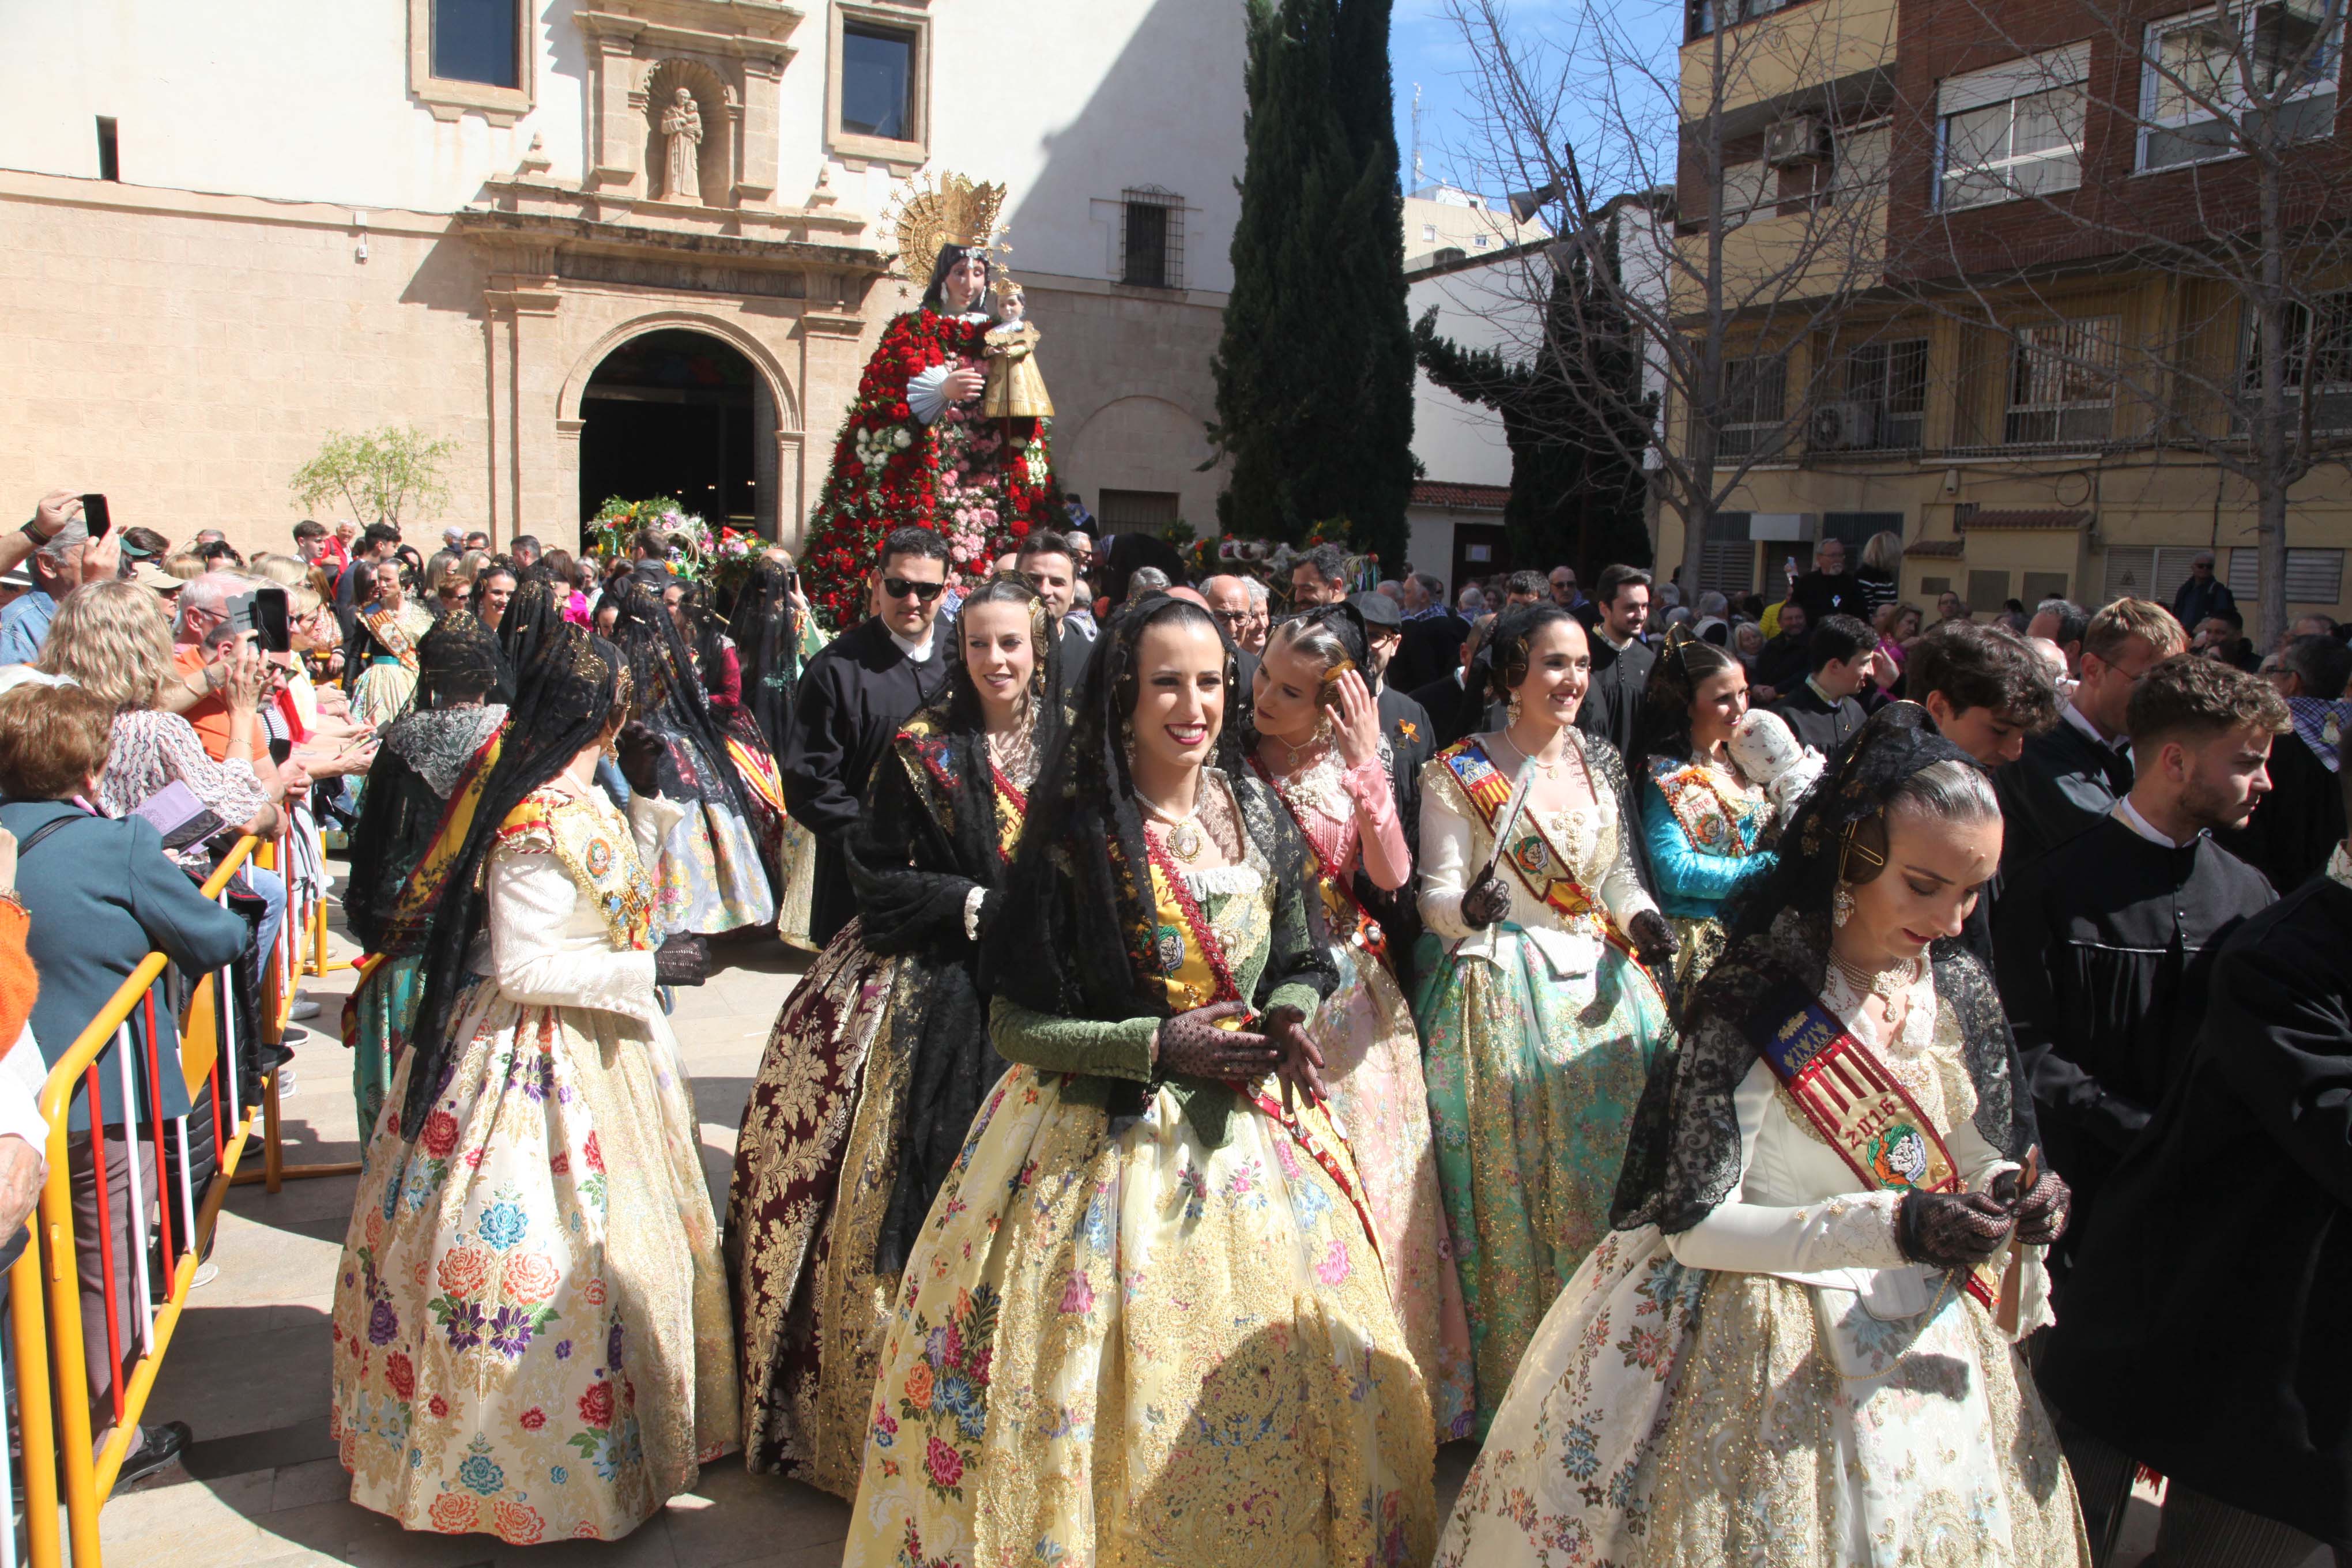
743,29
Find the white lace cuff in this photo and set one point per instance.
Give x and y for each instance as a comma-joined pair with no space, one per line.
971,906
926,393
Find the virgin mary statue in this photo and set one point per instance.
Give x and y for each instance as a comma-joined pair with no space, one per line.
916,448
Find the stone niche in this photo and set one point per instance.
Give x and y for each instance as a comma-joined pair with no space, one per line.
730,55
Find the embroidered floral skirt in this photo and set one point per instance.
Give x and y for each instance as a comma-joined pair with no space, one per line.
1533,1078
1371,1064
376,1021
1116,1345
381,692
797,853
1674,1417
818,1135
708,877
531,1321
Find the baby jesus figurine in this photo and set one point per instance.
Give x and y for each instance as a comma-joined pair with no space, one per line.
1015,389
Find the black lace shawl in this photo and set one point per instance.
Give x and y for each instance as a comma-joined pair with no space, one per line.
1683,1157
533,616
767,651
695,765
1078,937
425,752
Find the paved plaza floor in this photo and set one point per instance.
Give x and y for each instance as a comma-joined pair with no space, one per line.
248,1368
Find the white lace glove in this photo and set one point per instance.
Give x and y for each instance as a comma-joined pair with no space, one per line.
973,902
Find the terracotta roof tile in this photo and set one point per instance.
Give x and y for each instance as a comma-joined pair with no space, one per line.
1937,549
2050,517
1473,498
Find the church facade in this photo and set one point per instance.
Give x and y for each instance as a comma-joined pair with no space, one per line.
627,248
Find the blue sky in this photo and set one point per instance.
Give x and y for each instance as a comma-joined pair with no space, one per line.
1426,46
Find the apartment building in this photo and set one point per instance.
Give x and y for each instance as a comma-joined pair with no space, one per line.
2028,344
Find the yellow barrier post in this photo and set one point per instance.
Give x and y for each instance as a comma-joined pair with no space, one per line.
55,1398
278,1005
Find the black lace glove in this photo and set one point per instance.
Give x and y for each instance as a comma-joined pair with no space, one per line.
683,960
640,752
2041,1211
1653,938
1192,1045
1952,1230
1488,900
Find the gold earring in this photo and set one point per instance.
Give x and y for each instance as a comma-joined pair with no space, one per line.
1511,709
1842,904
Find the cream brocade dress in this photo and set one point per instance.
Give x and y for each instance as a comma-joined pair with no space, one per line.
531,1321
1776,1386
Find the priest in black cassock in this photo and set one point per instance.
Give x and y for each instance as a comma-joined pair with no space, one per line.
2203,1332
2302,819
1457,706
853,697
1822,709
2105,948
1622,662
2071,775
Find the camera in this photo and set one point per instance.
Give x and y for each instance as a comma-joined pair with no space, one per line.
262,612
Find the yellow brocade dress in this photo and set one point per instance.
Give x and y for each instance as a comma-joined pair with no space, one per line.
530,1325
1122,1342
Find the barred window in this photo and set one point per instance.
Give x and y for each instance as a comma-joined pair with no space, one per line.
1755,404
2063,383
1151,238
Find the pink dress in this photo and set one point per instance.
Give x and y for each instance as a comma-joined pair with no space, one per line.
1371,1064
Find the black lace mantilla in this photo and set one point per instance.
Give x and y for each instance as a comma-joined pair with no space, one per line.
439,744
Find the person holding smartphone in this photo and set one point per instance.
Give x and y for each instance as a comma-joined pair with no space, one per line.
61,551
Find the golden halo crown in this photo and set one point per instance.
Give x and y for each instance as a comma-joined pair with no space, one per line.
952,210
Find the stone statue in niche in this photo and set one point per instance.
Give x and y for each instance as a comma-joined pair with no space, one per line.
681,129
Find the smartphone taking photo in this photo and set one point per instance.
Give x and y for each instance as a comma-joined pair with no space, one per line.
95,513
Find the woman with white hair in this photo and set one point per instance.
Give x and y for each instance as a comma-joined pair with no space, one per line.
1714,622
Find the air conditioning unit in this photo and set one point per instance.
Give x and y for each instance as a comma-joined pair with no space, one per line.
1803,139
1843,427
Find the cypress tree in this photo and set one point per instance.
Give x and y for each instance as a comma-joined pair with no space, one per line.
1574,419
1314,372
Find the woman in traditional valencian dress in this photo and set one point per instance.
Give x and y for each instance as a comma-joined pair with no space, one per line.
1540,1019
1146,1318
708,873
860,1109
916,448
1706,825
1798,1346
380,656
720,670
1318,744
774,633
426,753
530,1320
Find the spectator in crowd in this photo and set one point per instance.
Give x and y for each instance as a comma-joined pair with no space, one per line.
2071,775
1472,601
2063,622
1896,627
1984,688
477,541
101,895
184,566
2202,593
2301,821
1712,624
1950,608
2222,636
2202,1333
143,545
1393,591
1787,656
1564,591
1523,588
1261,621
853,697
310,538
2105,946
1829,589
1880,573
1622,661
65,557
1433,635
524,552
493,590
1409,739
1145,579
1455,702
451,590
1319,577
1044,559
1748,647
1074,511
1229,602
1822,709
375,544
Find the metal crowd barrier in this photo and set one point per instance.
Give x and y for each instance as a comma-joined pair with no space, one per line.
46,1330
305,923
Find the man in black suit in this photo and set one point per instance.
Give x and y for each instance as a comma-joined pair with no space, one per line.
2071,775
1433,635
1822,709
1622,661
1047,560
1782,665
1452,711
1409,737
852,698
1829,589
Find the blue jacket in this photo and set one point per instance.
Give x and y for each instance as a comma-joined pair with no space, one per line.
102,895
1691,882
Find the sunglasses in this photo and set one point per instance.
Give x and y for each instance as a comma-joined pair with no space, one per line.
900,588
1231,617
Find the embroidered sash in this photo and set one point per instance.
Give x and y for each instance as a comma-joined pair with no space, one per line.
1542,864
1012,811
603,862
936,751
1194,965
1856,1104
390,636
1711,820
420,895
1349,918
758,770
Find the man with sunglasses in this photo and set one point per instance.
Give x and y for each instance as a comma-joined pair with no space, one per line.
853,697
